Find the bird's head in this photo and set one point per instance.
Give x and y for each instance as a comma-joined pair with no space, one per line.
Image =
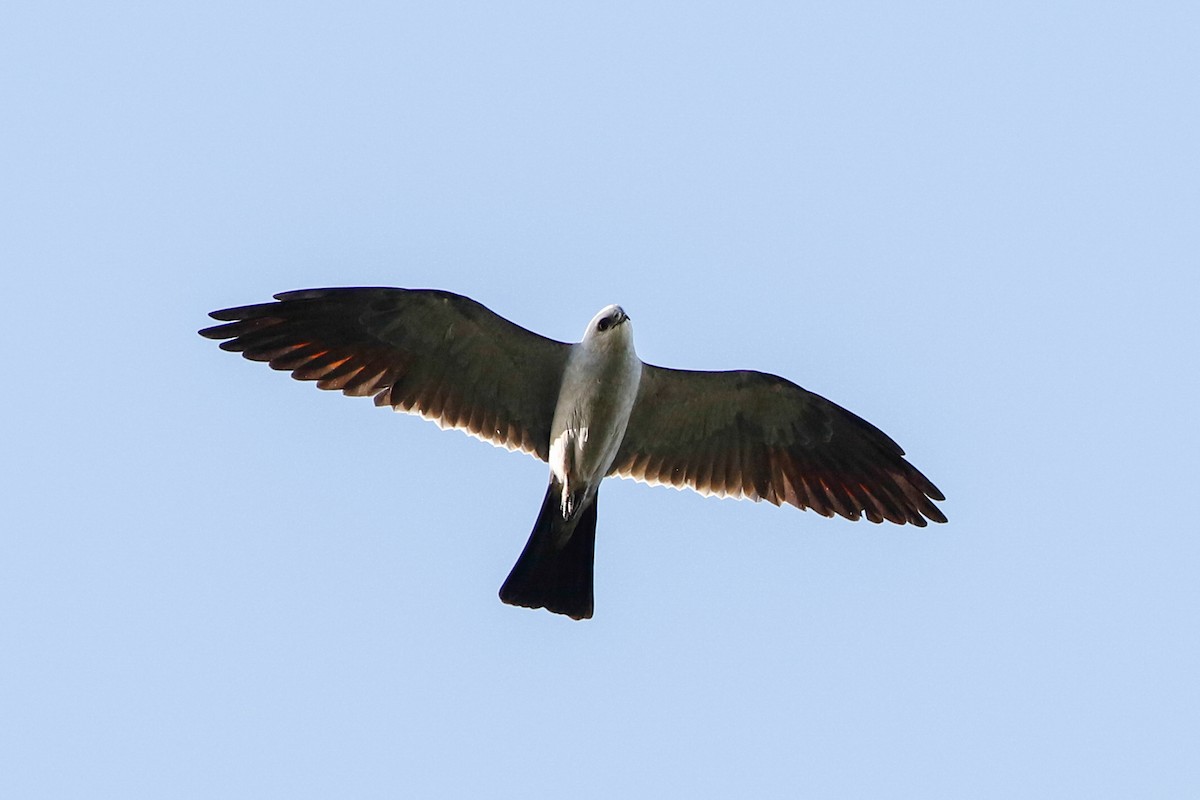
609,326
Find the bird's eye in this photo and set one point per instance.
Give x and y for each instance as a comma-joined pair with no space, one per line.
605,324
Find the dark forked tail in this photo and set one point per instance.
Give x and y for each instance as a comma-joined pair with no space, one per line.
551,573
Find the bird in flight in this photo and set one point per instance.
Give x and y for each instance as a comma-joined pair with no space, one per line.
591,409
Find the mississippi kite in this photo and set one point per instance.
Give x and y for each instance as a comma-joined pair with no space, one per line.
591,410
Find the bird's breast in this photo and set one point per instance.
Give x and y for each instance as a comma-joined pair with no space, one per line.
594,404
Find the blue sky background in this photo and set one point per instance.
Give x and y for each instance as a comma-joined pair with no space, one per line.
977,225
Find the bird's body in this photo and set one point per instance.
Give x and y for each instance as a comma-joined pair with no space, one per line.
591,410
599,387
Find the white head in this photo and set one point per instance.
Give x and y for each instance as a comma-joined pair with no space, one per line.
609,327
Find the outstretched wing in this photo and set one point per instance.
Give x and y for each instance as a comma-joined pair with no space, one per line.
749,434
433,353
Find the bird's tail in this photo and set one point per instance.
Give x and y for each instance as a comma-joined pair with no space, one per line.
554,572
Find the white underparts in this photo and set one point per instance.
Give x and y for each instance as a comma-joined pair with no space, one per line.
600,384
566,453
